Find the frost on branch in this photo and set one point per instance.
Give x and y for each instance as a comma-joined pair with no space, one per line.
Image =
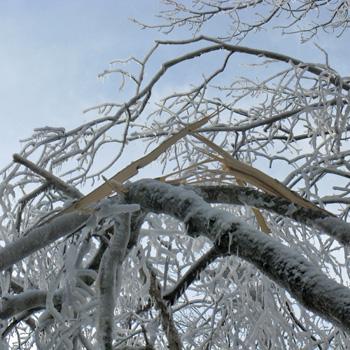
242,18
110,271
305,282
195,274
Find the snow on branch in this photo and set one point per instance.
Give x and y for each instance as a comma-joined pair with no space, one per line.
50,178
318,219
304,281
110,271
293,113
29,300
40,237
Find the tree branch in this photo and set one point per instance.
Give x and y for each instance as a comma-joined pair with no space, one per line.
29,300
305,282
174,293
24,200
168,324
40,237
109,277
318,219
52,179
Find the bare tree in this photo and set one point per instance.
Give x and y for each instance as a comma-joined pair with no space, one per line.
241,238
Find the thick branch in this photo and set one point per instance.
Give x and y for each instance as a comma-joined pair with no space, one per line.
29,300
110,276
40,237
318,219
305,282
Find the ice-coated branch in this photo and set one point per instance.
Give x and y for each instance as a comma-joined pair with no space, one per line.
40,237
38,297
50,178
221,45
317,219
168,324
24,316
110,278
248,196
24,200
305,18
246,126
174,293
300,325
29,300
304,281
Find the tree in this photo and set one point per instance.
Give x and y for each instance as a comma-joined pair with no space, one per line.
241,238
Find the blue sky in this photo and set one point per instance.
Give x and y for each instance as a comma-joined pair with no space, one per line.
51,53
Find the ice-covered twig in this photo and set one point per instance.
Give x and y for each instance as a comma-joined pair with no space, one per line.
24,200
174,293
50,178
24,316
174,340
298,18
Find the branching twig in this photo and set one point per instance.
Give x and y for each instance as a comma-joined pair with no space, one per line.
165,312
50,178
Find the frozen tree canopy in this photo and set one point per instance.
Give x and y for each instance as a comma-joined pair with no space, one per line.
240,240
